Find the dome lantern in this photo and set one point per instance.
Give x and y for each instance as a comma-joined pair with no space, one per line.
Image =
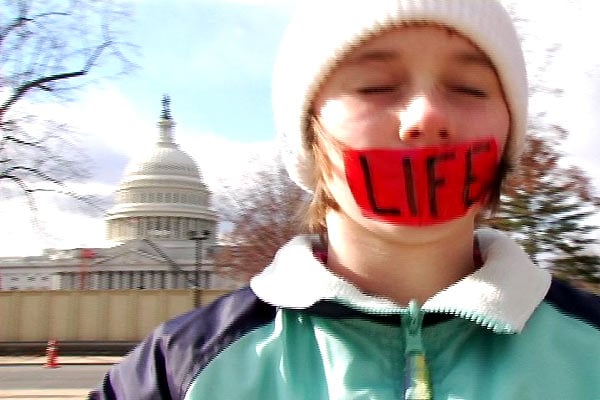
166,124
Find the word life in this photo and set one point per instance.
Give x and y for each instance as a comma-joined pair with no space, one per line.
421,186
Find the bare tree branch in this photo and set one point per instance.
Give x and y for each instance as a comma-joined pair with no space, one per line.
46,49
42,81
264,212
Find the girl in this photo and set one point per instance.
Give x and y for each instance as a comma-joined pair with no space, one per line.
401,117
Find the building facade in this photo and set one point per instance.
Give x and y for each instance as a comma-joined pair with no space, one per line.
162,223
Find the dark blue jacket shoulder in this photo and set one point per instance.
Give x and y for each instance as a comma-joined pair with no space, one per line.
165,363
574,302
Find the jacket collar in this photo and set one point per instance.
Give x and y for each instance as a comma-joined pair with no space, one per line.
501,295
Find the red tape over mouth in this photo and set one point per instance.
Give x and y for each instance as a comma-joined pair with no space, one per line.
421,186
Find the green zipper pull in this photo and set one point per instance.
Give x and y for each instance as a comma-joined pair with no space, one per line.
416,374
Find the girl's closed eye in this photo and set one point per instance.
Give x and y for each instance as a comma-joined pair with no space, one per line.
378,89
469,90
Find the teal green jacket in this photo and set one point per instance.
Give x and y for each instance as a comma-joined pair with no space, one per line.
299,332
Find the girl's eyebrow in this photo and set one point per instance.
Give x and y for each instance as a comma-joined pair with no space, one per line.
374,55
475,58
463,57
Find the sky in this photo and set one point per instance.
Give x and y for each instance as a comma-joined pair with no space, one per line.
214,58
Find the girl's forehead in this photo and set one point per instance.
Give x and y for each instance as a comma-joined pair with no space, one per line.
387,45
422,46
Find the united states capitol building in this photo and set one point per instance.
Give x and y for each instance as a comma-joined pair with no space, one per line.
162,222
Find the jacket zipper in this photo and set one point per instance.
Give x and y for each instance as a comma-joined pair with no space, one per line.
417,384
416,373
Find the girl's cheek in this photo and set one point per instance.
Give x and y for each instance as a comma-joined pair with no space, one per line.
345,122
333,113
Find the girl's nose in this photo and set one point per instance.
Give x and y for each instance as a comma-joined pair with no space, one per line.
423,122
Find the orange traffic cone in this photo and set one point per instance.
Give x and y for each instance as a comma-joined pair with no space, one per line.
52,355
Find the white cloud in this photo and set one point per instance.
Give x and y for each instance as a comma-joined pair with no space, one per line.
110,120
573,67
222,160
274,3
112,125
54,228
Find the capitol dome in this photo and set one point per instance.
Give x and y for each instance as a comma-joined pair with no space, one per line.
165,158
162,194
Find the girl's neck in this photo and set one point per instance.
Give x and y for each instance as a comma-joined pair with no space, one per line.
401,263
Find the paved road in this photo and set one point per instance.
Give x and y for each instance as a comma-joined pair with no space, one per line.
67,382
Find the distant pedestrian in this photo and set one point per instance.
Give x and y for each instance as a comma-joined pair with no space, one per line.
402,117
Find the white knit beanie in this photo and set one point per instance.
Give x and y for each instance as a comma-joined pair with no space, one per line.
322,32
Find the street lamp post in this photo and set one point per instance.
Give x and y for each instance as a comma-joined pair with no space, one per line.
198,238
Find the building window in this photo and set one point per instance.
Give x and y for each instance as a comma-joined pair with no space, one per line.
163,279
112,280
137,280
177,227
